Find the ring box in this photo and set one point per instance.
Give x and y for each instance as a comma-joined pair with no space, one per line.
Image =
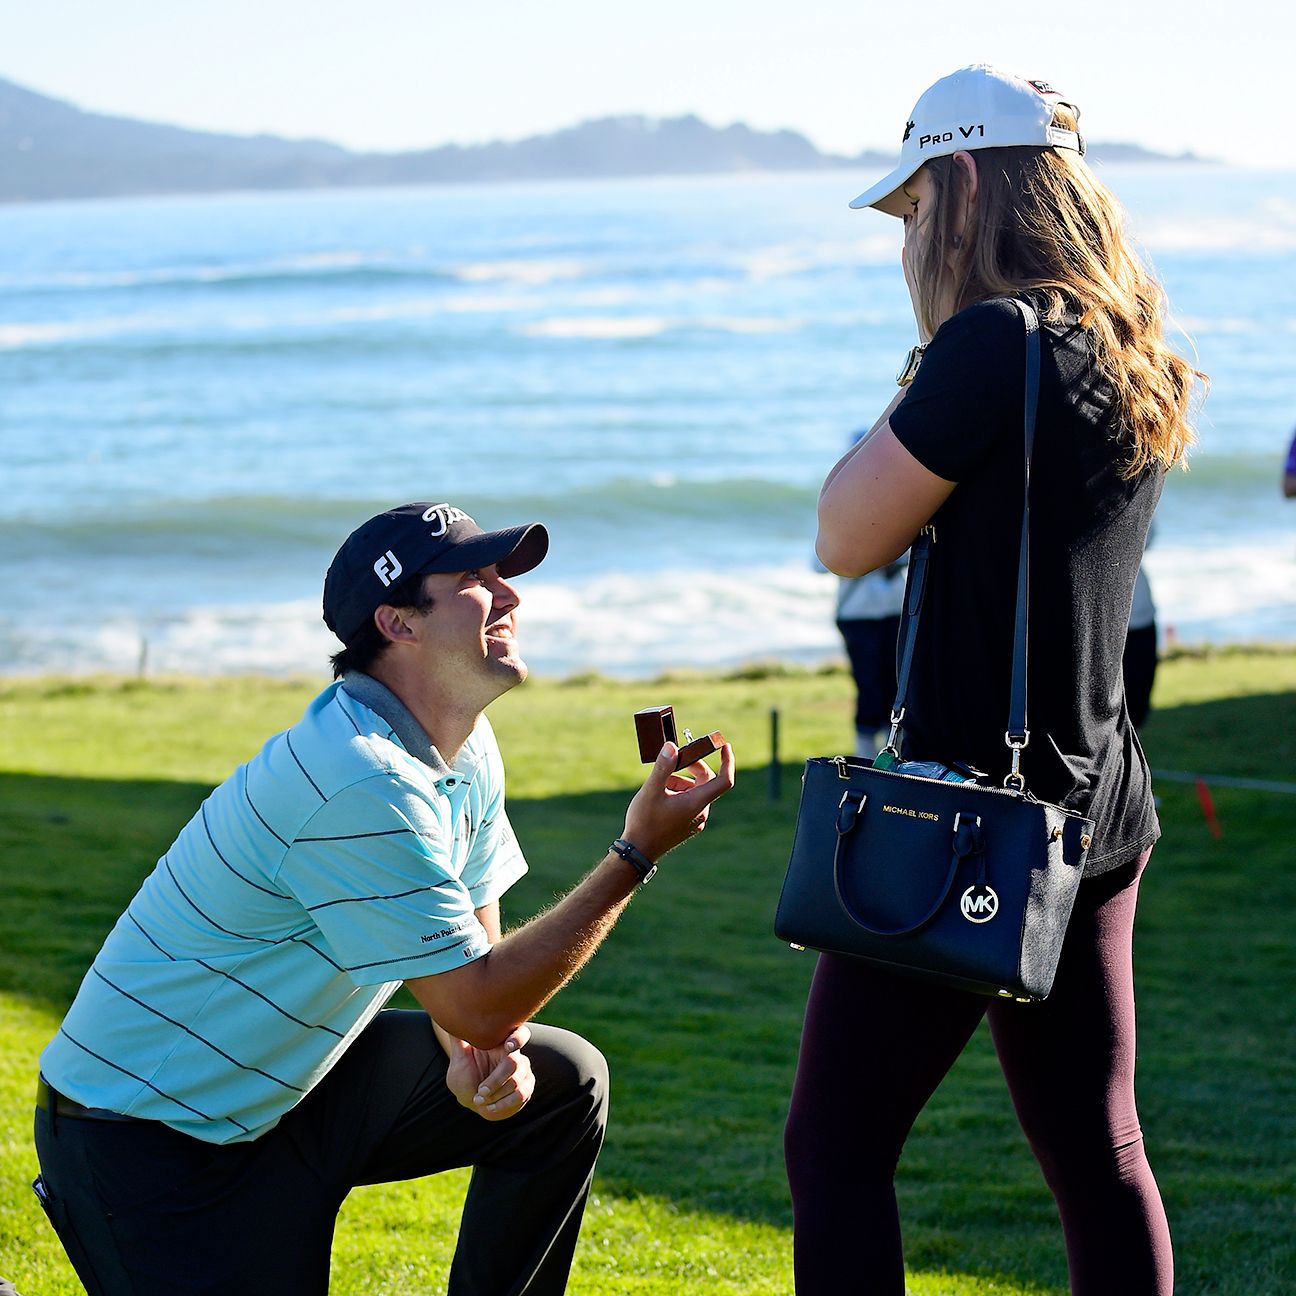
656,725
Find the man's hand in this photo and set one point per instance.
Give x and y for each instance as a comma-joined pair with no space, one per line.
495,1083
671,807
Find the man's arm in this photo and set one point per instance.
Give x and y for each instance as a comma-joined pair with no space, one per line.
489,998
495,1083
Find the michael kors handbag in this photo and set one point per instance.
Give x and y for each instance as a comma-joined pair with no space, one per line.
921,868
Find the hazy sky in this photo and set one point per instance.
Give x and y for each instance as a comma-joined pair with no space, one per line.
400,74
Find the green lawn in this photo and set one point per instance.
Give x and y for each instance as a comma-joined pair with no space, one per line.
695,1003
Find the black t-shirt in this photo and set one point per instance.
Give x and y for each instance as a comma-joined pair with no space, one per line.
962,420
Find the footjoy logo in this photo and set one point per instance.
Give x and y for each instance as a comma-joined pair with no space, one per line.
979,904
442,515
388,568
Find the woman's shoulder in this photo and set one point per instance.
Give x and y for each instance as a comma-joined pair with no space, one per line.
988,334
992,330
986,323
999,312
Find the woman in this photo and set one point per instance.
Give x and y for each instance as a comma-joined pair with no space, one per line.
997,202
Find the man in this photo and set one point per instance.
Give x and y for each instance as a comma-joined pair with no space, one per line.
225,1077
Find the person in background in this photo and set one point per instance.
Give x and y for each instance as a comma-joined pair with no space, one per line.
1139,662
868,620
226,1073
998,203
1289,471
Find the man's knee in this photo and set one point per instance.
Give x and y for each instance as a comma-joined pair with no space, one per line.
570,1072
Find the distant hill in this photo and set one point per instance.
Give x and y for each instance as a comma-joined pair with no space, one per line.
50,149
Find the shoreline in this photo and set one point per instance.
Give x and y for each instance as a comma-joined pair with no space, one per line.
769,668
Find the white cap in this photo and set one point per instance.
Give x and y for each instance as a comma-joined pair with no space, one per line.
977,107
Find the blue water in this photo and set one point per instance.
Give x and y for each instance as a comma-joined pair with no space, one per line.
201,396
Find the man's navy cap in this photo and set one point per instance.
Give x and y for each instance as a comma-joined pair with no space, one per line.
411,541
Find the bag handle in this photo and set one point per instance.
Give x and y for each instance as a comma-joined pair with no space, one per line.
968,841
1017,735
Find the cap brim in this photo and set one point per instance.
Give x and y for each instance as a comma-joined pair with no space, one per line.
513,550
885,195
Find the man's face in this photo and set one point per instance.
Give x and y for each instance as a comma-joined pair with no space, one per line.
468,636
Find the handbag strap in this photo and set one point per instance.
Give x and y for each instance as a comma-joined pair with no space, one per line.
1017,734
967,842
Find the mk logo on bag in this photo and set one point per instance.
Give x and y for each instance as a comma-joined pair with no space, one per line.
979,904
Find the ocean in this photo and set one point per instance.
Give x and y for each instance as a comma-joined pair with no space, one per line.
201,396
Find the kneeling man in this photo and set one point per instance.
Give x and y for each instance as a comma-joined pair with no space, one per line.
225,1075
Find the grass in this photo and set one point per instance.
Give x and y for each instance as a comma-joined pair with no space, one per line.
693,1000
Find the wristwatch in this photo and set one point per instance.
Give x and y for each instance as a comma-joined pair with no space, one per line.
912,361
635,858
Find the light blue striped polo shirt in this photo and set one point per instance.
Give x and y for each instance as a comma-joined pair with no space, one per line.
342,859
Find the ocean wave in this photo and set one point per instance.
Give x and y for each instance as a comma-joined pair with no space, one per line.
1270,227
1233,325
596,327
621,624
212,328
241,521
533,271
586,328
1225,592
790,260
629,623
286,327
331,266
24,335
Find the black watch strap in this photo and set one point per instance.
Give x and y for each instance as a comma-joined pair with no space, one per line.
635,858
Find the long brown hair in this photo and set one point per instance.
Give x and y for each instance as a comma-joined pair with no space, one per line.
1043,222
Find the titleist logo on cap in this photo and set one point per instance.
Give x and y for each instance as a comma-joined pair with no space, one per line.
442,515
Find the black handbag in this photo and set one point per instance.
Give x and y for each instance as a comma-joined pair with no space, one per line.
951,880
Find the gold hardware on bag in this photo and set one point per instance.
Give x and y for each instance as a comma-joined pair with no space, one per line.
1055,835
1085,841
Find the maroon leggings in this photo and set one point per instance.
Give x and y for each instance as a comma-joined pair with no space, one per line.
874,1048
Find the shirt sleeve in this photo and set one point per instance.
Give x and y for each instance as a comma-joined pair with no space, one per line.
373,870
968,390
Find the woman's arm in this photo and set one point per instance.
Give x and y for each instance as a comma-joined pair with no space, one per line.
874,502
873,431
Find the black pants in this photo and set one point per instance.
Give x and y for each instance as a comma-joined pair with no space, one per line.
142,1209
875,1047
871,647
